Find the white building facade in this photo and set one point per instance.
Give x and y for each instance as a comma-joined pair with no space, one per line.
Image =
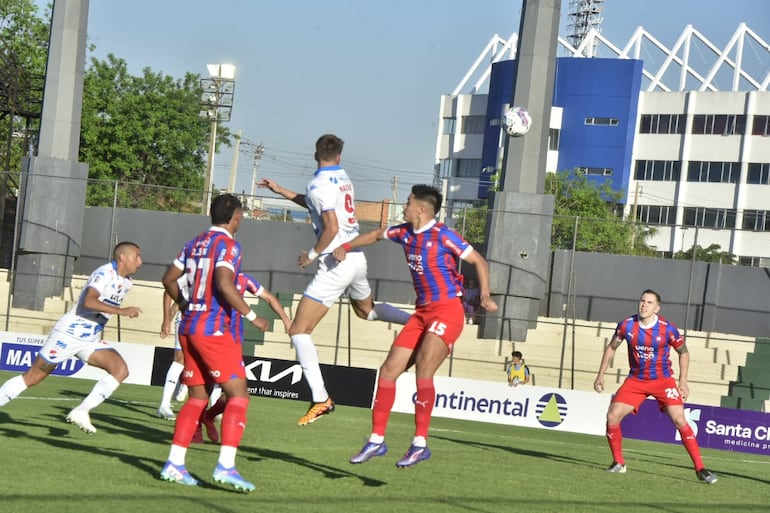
695,161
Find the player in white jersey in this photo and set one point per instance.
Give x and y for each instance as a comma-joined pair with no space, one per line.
330,197
78,333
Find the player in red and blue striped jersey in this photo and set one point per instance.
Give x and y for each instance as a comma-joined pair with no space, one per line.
649,358
212,354
244,283
432,252
650,338
439,245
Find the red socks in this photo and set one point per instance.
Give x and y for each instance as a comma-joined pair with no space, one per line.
187,421
383,403
234,421
423,406
615,439
691,444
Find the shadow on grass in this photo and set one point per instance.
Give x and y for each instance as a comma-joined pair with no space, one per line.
521,451
328,471
59,436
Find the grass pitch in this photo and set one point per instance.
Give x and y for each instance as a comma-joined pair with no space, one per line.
49,465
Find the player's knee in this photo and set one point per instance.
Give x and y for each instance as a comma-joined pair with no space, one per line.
298,330
117,368
120,374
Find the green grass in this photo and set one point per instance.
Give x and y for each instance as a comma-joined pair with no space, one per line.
49,465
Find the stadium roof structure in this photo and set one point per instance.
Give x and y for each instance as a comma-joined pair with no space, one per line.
693,63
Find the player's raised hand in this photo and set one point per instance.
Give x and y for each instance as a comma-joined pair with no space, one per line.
269,184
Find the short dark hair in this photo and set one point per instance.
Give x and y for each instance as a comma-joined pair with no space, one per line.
650,291
429,194
121,247
223,207
328,146
517,354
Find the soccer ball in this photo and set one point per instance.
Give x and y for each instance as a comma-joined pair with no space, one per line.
517,121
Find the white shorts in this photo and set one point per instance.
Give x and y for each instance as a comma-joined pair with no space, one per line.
61,346
333,278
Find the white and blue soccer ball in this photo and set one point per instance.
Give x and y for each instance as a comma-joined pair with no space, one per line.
517,121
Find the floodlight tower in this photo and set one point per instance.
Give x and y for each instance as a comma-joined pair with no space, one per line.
216,103
584,15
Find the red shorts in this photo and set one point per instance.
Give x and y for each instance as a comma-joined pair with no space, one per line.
211,359
444,318
634,391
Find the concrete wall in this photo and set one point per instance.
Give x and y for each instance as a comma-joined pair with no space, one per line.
270,249
723,298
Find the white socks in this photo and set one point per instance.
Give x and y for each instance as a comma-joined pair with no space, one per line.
11,389
101,391
227,456
308,359
172,378
177,455
388,313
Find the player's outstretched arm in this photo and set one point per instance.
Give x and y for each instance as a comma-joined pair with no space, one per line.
91,302
364,239
482,271
684,369
277,307
609,353
296,197
169,309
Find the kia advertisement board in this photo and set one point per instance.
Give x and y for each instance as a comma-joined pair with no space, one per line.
282,379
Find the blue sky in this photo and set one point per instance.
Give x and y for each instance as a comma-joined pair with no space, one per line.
371,72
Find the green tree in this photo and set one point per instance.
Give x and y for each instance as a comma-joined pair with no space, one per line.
600,228
143,130
711,253
23,53
474,226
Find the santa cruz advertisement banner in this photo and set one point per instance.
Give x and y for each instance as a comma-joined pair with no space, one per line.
714,427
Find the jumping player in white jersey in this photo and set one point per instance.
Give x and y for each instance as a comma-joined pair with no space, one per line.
78,334
330,198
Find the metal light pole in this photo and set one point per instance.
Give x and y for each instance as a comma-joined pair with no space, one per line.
216,102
